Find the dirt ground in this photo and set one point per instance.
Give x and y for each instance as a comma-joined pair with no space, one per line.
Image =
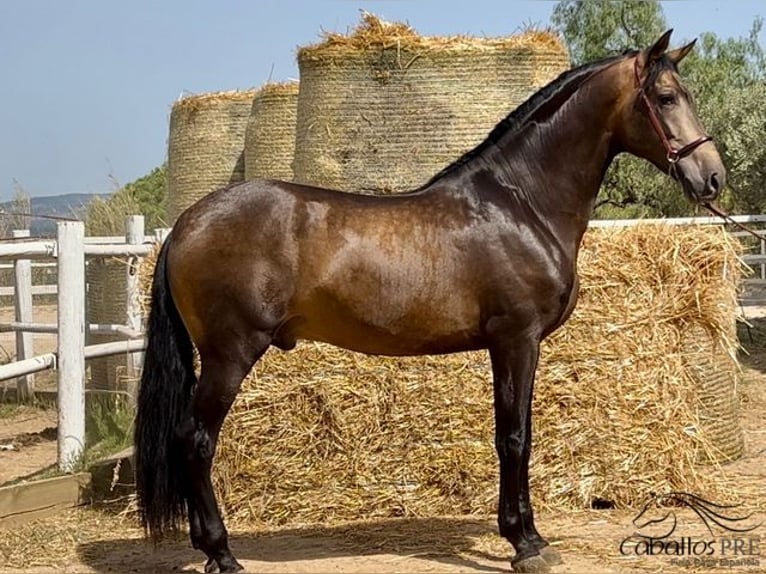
27,442
27,435
107,539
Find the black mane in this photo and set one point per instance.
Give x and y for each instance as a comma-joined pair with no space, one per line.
555,92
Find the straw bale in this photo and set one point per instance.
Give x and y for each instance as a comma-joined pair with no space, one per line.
383,109
106,303
206,145
621,406
270,134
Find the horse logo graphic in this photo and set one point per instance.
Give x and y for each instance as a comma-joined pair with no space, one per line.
711,514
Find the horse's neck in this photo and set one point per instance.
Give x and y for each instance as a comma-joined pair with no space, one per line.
558,163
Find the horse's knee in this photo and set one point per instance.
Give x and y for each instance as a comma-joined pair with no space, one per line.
509,446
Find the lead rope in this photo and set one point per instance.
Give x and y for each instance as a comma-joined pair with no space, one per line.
714,209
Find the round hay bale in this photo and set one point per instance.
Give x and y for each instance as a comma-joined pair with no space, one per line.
270,135
106,303
384,109
206,146
716,377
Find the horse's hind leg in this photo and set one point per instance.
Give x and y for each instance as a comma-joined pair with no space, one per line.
218,385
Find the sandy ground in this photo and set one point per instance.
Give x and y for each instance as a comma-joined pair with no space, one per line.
88,541
107,540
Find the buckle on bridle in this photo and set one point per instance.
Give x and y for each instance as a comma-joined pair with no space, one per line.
673,157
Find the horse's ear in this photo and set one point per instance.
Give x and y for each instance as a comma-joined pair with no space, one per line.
657,49
679,54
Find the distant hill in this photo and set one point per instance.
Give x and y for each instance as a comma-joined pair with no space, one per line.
68,205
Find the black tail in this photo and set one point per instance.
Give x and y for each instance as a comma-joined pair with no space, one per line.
163,399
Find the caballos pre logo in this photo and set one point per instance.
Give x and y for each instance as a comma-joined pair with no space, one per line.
732,541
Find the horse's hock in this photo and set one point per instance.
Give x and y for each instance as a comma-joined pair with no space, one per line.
383,109
633,395
270,134
206,145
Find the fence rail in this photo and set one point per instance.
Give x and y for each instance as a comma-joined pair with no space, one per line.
70,251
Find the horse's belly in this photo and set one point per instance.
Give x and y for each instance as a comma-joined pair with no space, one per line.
381,328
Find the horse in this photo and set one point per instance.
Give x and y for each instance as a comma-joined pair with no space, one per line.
481,257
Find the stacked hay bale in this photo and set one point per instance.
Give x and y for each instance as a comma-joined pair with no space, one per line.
321,434
270,134
106,303
715,376
384,109
206,145
106,300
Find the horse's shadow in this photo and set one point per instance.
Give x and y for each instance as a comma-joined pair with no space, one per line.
443,540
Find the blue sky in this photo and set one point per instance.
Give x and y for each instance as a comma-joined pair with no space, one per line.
87,85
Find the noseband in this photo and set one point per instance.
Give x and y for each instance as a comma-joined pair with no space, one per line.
673,154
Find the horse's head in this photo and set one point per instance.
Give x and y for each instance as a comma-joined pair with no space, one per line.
659,122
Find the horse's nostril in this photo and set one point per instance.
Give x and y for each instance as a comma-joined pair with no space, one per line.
713,184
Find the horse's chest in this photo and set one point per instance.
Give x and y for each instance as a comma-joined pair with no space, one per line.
568,302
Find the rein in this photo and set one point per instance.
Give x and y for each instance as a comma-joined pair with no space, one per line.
673,154
714,209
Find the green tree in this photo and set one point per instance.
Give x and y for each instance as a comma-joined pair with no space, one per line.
728,78
150,193
594,29
145,196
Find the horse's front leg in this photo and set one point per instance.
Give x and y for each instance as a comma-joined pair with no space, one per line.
514,361
551,556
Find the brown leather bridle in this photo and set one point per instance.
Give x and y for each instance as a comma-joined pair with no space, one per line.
673,154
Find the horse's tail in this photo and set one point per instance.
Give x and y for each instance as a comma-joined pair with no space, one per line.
163,399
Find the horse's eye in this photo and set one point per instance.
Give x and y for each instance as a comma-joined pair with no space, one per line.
666,99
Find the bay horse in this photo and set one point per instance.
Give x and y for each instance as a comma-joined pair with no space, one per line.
483,256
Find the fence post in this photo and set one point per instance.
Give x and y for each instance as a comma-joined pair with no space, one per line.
22,283
134,236
71,343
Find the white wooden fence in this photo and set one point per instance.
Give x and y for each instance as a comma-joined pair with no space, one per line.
70,250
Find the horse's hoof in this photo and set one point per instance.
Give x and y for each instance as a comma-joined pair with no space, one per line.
231,565
550,555
211,566
534,563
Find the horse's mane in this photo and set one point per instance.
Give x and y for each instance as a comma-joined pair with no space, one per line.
548,98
